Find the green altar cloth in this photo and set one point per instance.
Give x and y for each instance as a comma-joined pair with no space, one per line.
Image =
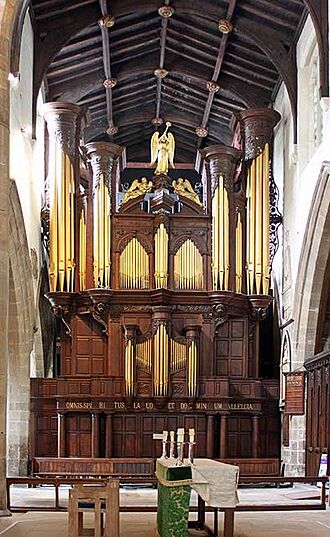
173,498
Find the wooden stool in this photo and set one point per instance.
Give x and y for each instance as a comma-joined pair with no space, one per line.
101,499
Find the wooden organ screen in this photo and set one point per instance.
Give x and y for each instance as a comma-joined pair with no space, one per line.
165,338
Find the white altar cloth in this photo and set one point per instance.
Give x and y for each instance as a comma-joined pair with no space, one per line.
215,482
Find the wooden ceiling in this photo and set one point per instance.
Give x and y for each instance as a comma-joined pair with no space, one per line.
76,55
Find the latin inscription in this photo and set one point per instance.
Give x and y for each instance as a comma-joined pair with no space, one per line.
138,406
72,405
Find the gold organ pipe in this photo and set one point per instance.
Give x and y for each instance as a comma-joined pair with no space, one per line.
258,224
60,157
96,236
265,222
82,252
248,231
252,227
53,247
129,368
215,238
72,214
107,242
156,354
67,228
239,256
221,237
192,369
225,238
61,269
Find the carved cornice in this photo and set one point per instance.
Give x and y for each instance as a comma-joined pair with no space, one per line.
63,307
101,157
100,307
221,160
256,126
259,306
220,314
64,123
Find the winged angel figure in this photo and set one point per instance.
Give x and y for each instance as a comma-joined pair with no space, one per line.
162,150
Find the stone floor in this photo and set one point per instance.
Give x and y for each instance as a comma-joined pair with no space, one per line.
253,524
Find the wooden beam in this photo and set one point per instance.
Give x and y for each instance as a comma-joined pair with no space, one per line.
163,35
217,68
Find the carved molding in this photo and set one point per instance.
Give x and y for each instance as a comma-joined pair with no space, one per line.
99,311
64,123
220,314
145,238
257,126
221,160
275,218
101,157
199,239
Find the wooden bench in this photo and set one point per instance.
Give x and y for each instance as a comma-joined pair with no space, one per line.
93,467
102,499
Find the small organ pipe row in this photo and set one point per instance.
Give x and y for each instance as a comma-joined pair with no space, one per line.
161,356
188,267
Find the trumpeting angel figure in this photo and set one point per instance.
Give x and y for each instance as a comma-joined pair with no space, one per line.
162,150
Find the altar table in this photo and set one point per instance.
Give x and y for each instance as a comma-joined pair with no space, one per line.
215,484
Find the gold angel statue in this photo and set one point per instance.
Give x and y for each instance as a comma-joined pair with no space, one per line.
162,150
183,187
137,189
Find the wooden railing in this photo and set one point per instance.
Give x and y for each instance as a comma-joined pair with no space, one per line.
57,482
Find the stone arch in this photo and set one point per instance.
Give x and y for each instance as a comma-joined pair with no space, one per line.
312,270
8,12
20,338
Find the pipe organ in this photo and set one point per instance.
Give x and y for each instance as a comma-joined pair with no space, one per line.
161,299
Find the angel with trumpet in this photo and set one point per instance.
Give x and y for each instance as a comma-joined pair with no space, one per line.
162,150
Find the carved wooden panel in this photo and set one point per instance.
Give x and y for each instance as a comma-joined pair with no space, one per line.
239,441
231,349
46,433
87,355
125,432
78,435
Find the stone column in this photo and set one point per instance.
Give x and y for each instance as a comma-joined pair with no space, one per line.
223,436
8,10
95,435
61,440
64,124
102,158
221,162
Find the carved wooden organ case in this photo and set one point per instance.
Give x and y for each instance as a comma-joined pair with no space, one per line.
161,299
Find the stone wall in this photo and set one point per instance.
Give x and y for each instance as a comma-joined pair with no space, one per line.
300,171
7,15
